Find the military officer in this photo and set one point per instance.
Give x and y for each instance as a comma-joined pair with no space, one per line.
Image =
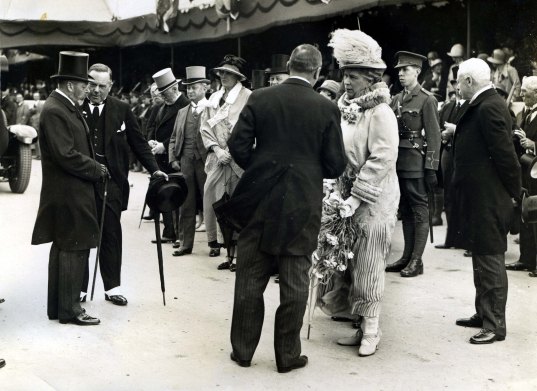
419,151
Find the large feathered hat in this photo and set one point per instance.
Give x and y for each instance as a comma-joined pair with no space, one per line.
356,49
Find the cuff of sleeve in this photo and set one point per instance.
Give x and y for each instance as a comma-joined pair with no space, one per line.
365,191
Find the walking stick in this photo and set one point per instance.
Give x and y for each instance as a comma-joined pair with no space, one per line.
430,196
159,252
100,236
142,216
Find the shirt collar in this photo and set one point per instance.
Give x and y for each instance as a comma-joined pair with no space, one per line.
300,78
100,106
63,93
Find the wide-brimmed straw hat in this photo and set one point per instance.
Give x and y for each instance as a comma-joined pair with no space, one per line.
232,64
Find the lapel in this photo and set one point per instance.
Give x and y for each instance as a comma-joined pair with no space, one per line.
415,91
170,113
181,122
109,126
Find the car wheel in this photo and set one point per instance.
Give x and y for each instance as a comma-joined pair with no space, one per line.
22,170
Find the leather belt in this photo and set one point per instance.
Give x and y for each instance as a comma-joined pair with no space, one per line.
410,134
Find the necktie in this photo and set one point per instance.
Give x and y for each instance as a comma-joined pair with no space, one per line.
525,117
95,115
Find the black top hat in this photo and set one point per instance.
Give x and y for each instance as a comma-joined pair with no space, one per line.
258,79
278,64
166,195
73,66
408,58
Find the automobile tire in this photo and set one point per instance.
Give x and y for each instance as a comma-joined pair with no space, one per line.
22,170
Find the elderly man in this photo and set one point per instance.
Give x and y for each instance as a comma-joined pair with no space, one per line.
114,131
67,214
525,139
278,199
417,162
278,73
188,154
486,180
504,76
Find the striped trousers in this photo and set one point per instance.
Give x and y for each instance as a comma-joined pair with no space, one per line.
254,269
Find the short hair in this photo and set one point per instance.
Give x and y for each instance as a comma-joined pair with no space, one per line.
529,83
477,69
100,68
305,58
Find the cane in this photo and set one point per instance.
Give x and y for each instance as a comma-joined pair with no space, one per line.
100,236
142,216
160,260
430,196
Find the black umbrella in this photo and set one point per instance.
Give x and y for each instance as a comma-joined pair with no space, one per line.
225,226
100,236
159,253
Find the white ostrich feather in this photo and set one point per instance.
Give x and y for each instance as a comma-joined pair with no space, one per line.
354,47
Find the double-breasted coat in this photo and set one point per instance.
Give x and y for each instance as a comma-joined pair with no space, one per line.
67,212
486,175
298,142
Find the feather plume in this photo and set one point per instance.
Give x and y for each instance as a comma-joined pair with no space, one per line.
355,47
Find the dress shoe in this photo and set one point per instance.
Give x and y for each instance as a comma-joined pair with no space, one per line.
443,246
147,218
533,273
299,362
214,252
369,344
516,266
473,321
224,265
233,267
116,299
398,265
182,251
341,319
164,239
351,341
413,269
277,279
467,254
83,299
437,221
486,336
241,363
176,244
82,319
2,300
2,363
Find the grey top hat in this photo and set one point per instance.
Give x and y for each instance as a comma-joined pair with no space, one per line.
164,79
73,66
195,74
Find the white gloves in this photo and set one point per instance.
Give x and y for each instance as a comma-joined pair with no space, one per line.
349,206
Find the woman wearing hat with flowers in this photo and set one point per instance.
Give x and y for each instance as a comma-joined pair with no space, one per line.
369,186
217,121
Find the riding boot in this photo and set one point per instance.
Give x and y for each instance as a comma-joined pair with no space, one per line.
437,207
415,266
408,234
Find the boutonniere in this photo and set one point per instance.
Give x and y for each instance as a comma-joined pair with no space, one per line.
84,114
349,113
122,127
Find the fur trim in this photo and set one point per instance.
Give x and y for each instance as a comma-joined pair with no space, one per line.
356,47
376,94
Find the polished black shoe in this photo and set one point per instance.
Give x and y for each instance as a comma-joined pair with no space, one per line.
224,265
398,265
176,244
241,363
473,321
516,266
277,279
467,254
83,299
443,246
299,362
2,363
486,336
164,239
341,319
533,273
147,218
233,267
182,251
116,299
413,269
214,252
82,319
1,301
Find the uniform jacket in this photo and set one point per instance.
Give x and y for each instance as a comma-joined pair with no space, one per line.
418,110
178,137
121,135
298,142
486,175
67,213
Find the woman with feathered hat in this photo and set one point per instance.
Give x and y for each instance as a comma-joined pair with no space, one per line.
371,139
218,119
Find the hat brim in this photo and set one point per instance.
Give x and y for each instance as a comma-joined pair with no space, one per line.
187,82
363,66
407,64
454,55
492,60
236,73
70,77
168,86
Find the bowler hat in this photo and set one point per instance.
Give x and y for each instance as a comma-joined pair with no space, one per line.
408,58
258,79
166,195
73,66
498,57
195,74
164,79
278,64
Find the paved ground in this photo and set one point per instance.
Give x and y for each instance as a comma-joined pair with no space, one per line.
185,345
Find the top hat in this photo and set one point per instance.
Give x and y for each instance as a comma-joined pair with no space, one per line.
195,74
408,58
166,195
278,64
258,79
164,79
331,86
73,66
232,64
457,50
498,57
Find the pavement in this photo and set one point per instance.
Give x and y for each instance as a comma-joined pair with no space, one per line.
185,344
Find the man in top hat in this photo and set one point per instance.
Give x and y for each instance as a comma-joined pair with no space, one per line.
504,75
114,133
417,162
278,73
159,138
188,154
67,214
